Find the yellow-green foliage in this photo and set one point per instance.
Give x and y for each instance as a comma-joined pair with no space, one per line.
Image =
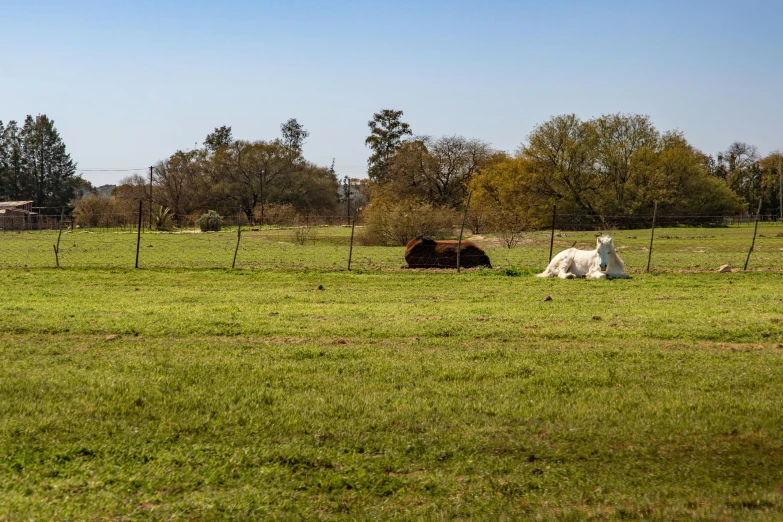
389,221
503,193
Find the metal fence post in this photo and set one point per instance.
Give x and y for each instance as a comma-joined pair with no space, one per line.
552,238
652,235
753,243
138,236
239,235
462,228
350,250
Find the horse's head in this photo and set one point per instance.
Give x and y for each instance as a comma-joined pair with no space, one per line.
605,249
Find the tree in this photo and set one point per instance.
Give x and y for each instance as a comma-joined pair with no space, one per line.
49,173
689,189
620,140
244,172
619,165
220,138
309,188
181,184
739,168
127,195
562,154
386,133
294,135
12,165
437,171
503,191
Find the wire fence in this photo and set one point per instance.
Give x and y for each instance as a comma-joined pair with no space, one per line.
333,242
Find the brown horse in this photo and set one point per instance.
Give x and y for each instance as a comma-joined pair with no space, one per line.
423,252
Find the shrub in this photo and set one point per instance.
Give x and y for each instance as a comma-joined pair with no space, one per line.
397,222
276,214
210,222
94,211
161,217
304,230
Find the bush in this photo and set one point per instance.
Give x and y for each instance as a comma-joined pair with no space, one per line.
210,222
276,214
161,217
304,230
393,223
94,211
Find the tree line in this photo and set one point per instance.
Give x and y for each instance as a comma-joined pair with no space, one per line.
34,164
597,171
262,178
606,171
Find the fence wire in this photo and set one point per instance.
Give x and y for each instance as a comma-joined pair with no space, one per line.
681,243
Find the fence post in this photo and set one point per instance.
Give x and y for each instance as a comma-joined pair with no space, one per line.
552,238
59,233
138,236
652,235
239,236
350,250
780,186
150,199
462,228
753,243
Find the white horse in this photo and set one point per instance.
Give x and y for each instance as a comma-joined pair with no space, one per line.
600,263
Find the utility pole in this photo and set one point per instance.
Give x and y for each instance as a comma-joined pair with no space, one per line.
150,198
780,185
347,190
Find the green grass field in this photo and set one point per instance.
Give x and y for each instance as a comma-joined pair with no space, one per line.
253,394
691,249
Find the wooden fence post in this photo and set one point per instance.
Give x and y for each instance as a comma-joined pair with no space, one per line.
652,235
753,243
462,228
59,234
138,236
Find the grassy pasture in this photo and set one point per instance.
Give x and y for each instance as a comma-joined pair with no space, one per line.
214,394
691,249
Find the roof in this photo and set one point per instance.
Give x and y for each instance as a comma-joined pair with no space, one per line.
16,211
13,204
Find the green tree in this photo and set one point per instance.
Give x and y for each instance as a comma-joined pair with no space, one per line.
562,154
387,131
12,165
504,192
310,189
620,141
218,139
739,167
244,172
437,171
181,183
294,135
49,173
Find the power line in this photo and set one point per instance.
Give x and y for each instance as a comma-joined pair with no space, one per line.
109,170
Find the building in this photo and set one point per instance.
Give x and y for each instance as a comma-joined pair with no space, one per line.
17,215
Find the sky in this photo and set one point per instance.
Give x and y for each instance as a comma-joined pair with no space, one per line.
130,83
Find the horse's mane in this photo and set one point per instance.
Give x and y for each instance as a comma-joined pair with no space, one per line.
613,256
619,262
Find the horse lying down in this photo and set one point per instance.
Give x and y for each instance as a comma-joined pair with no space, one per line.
601,263
423,252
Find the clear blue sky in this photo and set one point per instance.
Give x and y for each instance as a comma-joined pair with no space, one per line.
129,83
